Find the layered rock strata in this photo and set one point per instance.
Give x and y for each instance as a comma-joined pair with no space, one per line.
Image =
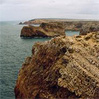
84,26
44,30
61,68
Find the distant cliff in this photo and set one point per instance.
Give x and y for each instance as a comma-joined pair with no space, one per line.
61,68
56,27
44,30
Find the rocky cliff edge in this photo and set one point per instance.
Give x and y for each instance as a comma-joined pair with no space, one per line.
61,68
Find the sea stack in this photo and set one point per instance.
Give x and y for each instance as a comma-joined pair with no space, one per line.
61,68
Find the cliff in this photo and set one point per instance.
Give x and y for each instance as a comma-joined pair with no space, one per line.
57,27
61,68
44,30
47,20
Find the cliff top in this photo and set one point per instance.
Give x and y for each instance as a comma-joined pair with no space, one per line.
61,68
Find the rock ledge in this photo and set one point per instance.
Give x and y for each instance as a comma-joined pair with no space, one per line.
61,68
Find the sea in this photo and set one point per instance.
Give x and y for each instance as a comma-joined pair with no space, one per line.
13,51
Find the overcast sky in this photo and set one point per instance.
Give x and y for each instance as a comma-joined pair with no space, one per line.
29,9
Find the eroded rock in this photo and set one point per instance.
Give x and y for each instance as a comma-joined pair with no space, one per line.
44,30
59,69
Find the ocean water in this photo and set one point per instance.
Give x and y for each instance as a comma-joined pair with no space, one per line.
71,33
13,51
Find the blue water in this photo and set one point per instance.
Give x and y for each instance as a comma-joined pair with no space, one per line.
13,51
71,33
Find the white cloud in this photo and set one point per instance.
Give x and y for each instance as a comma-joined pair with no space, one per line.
27,9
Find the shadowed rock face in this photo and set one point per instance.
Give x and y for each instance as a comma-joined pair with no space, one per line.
61,68
55,27
44,30
83,26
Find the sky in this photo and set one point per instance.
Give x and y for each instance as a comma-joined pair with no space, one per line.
30,9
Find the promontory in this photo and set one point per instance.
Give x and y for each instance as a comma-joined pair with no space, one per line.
53,28
61,68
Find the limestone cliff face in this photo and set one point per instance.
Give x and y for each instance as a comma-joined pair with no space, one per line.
84,26
61,68
44,30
